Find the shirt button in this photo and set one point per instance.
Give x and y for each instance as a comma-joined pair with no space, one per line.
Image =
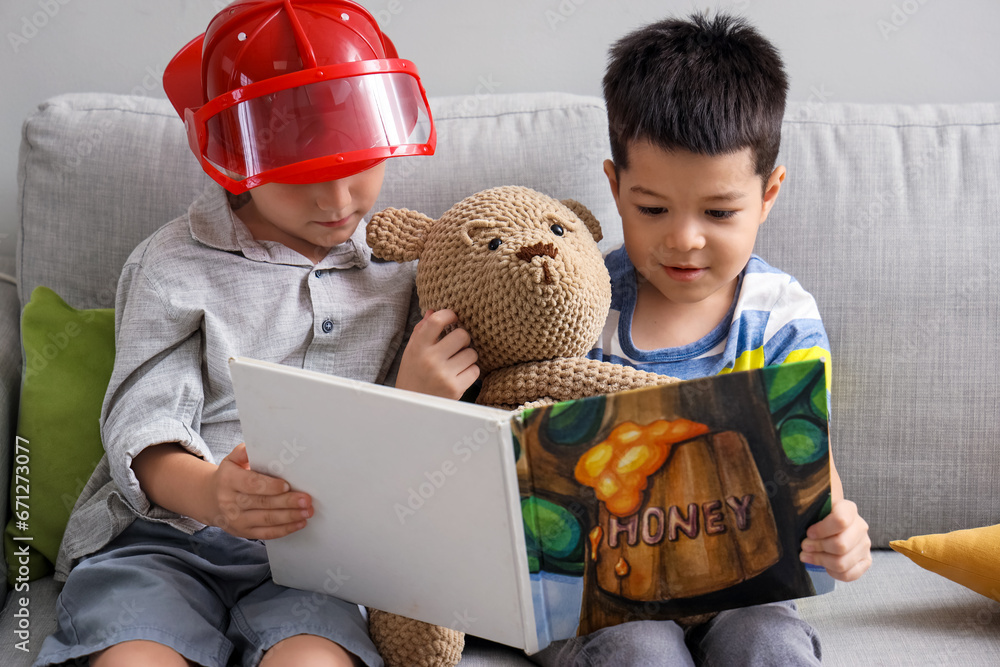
327,326
319,274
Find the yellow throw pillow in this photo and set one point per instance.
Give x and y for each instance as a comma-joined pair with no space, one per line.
968,557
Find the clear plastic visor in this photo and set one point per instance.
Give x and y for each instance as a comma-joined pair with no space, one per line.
354,119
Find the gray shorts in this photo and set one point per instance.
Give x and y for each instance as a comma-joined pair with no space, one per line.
209,596
766,634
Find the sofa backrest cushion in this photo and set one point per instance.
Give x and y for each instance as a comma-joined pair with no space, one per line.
101,172
889,216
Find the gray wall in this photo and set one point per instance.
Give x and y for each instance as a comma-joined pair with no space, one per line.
836,51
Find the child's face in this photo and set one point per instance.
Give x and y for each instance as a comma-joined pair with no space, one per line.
690,220
314,217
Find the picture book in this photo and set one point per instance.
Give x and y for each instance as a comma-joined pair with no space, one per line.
531,526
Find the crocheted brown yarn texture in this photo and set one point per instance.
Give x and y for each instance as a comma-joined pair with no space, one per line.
561,380
408,643
521,270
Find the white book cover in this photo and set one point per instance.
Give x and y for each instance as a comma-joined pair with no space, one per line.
429,528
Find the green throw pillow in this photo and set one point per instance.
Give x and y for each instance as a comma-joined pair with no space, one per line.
68,356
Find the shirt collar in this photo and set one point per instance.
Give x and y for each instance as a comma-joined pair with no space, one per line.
214,224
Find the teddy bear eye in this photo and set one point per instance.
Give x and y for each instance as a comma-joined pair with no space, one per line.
557,230
494,244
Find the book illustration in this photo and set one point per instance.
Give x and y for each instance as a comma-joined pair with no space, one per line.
671,501
638,553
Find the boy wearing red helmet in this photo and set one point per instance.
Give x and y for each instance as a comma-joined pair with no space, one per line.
292,107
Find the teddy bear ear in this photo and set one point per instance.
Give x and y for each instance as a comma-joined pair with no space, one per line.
584,214
398,234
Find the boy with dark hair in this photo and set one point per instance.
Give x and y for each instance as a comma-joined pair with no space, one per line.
694,115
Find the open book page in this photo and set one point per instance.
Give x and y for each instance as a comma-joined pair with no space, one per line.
671,501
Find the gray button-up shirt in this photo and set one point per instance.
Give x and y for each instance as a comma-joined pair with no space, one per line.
199,291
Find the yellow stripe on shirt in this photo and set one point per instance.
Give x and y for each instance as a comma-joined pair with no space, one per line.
751,359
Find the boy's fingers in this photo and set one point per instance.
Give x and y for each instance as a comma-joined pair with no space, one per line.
239,456
843,515
252,527
455,340
292,502
254,483
274,532
829,543
434,323
445,316
837,546
846,567
454,348
277,517
469,375
839,543
854,572
466,359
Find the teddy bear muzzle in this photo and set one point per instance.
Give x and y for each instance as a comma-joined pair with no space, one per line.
528,253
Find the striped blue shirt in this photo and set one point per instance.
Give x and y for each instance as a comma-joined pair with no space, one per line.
772,320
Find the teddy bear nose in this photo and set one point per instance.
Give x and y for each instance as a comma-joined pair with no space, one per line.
529,252
537,250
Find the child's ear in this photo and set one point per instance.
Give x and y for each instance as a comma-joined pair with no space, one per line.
584,214
398,234
771,188
612,173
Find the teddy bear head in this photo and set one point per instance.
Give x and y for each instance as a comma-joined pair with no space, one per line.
520,269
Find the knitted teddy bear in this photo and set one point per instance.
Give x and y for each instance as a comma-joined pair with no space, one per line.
523,273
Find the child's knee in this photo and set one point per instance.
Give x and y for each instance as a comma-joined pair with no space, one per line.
138,652
766,634
308,651
637,643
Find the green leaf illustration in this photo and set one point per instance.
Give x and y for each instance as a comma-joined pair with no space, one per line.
803,441
574,422
554,537
785,382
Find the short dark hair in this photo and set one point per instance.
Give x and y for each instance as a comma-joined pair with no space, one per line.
711,86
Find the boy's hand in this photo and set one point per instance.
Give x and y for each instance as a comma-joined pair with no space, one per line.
435,362
839,543
252,505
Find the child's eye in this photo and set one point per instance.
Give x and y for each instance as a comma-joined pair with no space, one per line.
720,215
494,244
651,211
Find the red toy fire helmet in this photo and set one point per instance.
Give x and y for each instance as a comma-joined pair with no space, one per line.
296,91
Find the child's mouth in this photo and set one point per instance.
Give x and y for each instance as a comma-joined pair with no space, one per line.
332,223
684,273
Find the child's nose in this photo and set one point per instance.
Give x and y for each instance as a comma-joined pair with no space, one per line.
333,196
685,235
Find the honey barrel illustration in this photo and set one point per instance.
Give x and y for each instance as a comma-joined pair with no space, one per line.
682,512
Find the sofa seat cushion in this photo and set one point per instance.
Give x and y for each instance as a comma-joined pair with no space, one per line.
900,614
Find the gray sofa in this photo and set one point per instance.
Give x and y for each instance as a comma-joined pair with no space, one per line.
890,216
